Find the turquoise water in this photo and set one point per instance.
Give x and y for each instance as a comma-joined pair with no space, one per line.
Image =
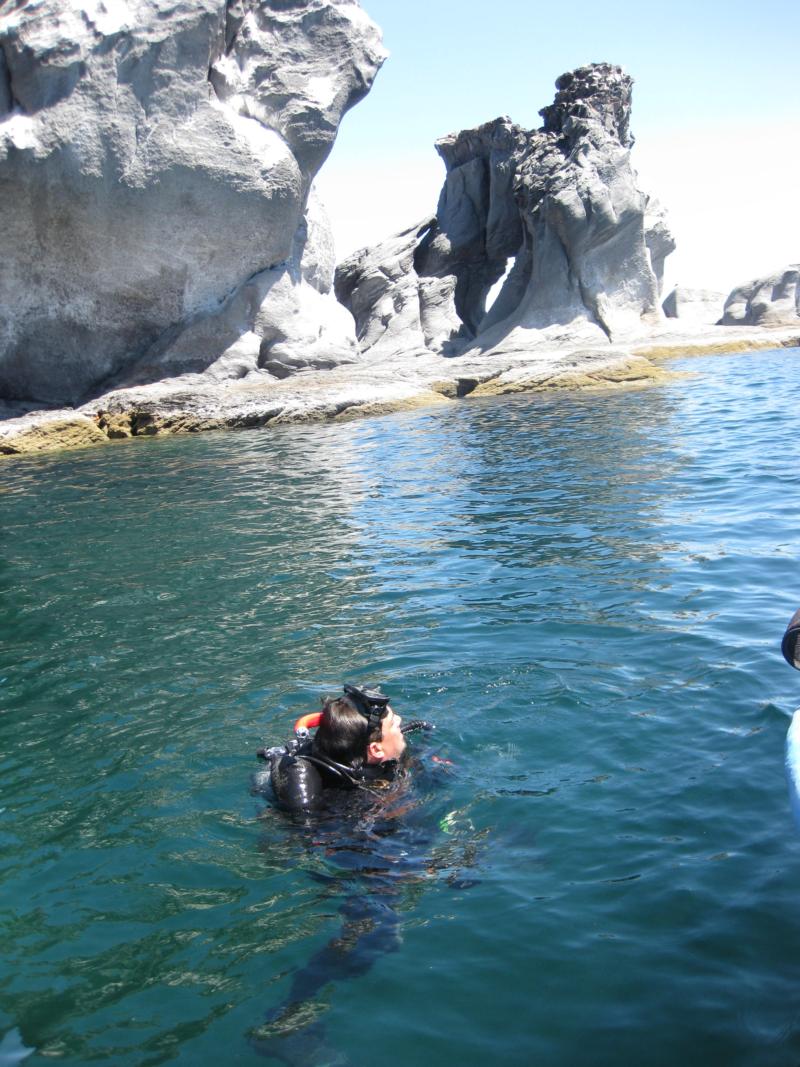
585,592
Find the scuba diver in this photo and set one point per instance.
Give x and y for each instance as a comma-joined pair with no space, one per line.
359,744
350,782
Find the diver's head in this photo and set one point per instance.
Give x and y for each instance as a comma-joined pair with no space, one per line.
385,739
359,728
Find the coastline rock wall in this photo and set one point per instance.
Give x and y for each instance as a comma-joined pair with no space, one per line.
279,321
561,204
770,301
155,166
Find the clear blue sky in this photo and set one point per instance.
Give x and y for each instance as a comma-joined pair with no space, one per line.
716,113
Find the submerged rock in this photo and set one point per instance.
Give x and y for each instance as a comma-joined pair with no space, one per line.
155,166
695,306
560,206
770,301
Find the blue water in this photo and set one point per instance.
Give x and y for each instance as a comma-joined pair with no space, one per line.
586,592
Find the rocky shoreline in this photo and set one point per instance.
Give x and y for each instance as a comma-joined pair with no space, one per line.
168,269
353,392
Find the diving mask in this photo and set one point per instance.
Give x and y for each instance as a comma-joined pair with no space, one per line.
369,702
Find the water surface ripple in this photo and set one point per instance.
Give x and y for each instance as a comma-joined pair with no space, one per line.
585,592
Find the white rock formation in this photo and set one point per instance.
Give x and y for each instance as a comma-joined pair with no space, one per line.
587,245
278,322
396,311
658,237
697,307
770,301
155,164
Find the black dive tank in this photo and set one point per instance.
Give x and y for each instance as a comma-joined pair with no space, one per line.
297,782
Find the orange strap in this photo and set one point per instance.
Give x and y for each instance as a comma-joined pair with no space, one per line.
308,722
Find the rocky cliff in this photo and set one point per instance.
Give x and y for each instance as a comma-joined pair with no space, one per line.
155,167
770,301
557,208
164,261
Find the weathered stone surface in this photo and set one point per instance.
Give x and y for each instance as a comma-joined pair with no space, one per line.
658,237
478,225
584,214
189,405
594,371
154,157
578,307
770,301
695,306
562,203
48,433
276,323
396,311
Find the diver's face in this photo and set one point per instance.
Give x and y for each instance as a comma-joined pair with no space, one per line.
392,743
392,740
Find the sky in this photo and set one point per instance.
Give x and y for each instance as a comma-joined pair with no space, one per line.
716,115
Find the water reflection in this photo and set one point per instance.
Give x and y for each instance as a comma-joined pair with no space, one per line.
495,515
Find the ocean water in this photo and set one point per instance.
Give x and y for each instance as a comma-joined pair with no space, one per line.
594,860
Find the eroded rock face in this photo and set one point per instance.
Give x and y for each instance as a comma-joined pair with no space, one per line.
560,203
279,321
396,311
155,165
770,301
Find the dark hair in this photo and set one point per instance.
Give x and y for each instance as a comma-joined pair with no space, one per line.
343,733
